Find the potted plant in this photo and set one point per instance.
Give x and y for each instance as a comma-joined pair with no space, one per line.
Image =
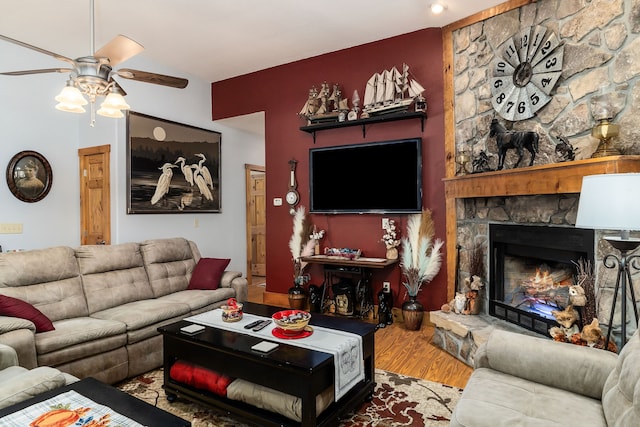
301,244
420,262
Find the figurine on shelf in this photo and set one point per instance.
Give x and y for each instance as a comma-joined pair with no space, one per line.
355,101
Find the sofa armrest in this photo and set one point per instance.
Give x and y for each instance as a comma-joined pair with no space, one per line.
234,279
578,369
8,357
8,324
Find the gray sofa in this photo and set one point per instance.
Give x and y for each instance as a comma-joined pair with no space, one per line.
106,303
521,380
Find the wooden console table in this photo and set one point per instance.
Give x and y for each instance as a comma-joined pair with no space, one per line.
360,267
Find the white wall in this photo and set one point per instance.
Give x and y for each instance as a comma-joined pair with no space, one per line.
28,121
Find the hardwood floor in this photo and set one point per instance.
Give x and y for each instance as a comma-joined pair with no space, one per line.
406,352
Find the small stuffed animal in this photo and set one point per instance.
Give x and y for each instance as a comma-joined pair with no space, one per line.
591,334
577,296
567,319
459,302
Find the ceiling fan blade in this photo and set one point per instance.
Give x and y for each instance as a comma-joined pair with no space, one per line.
158,79
37,49
41,71
119,49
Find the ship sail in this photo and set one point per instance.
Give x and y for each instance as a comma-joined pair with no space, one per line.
380,89
370,91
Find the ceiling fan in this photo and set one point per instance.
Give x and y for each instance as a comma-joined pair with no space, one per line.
92,76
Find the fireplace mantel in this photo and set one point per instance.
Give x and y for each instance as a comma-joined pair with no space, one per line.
555,178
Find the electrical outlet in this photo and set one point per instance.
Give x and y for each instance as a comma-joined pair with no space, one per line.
386,286
10,228
385,223
277,201
196,223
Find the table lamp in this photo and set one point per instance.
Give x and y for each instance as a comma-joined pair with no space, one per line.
609,202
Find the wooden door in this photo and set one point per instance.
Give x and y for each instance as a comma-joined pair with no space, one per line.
95,195
256,219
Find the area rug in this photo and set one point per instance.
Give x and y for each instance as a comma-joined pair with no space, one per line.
398,400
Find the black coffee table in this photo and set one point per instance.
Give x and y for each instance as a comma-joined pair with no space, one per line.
290,369
136,409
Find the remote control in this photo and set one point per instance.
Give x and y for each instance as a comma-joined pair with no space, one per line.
253,324
261,326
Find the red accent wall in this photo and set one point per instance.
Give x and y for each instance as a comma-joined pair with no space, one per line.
281,92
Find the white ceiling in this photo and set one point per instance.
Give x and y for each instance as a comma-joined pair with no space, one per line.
219,39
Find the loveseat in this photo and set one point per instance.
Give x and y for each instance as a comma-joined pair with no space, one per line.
522,380
94,310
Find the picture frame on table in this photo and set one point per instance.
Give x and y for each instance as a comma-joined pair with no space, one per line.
171,167
29,176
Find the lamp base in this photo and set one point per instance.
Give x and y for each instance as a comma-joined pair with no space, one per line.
605,149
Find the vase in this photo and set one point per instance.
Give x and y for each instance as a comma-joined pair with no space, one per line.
297,297
412,312
392,253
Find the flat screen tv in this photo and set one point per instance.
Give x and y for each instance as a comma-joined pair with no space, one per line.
377,177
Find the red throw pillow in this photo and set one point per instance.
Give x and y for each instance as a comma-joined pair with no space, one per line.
208,273
15,307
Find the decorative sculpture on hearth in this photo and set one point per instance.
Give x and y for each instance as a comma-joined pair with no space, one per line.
518,140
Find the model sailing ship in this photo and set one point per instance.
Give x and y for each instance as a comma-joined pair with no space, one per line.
392,91
325,105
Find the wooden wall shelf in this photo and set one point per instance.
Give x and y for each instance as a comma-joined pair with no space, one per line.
392,117
555,178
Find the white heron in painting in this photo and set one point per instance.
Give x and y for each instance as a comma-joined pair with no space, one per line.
186,170
204,170
202,185
162,187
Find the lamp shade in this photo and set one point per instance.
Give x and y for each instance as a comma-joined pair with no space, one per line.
610,202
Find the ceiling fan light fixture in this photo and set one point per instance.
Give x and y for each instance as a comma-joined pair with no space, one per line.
115,101
70,108
110,112
71,95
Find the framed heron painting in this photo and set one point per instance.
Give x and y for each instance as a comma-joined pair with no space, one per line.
171,167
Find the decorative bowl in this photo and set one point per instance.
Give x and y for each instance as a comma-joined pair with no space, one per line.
291,322
231,313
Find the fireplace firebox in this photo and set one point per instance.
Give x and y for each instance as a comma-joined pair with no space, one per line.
531,270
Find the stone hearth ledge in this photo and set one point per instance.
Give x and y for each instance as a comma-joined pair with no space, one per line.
460,335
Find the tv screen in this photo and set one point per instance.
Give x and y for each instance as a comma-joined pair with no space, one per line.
378,177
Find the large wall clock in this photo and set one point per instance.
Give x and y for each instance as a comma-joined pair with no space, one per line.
525,71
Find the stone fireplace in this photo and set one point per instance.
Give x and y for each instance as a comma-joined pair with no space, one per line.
531,269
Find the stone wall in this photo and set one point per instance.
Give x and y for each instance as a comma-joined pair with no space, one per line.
602,50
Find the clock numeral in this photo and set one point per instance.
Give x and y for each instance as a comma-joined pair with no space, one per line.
510,51
509,105
500,98
524,41
501,67
546,47
522,107
551,62
535,98
497,83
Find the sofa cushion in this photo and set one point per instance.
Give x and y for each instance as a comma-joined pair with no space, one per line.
169,264
208,273
142,318
112,275
15,307
198,299
71,333
48,279
495,399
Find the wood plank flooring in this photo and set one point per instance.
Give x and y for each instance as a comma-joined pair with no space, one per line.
408,352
